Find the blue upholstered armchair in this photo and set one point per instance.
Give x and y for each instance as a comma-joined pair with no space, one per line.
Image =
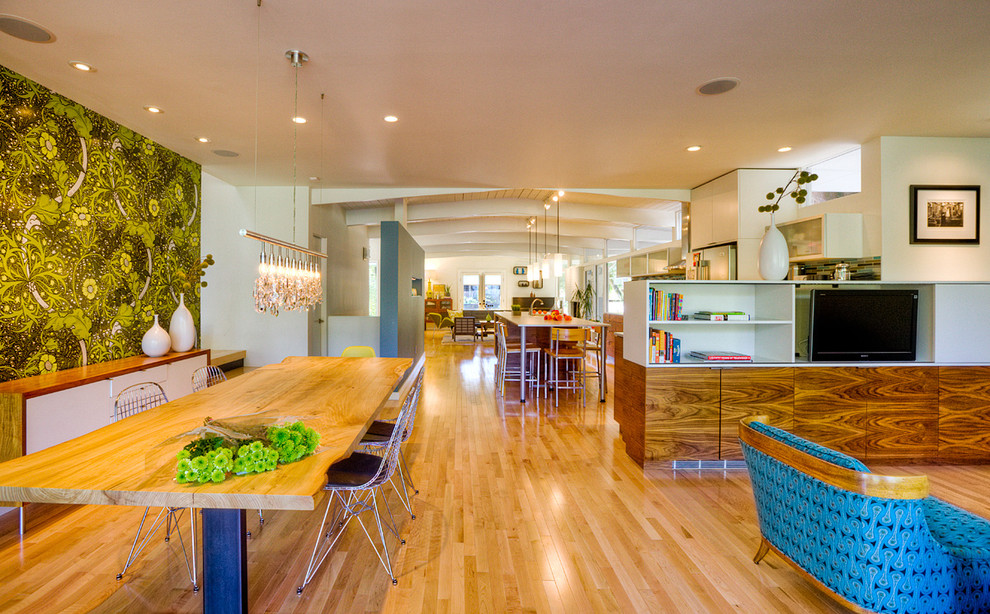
875,542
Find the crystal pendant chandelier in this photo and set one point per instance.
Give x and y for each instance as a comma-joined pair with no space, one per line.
288,275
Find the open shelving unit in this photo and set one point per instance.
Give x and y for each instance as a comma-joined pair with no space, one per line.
768,336
951,317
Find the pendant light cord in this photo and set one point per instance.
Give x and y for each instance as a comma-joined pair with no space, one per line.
295,132
257,96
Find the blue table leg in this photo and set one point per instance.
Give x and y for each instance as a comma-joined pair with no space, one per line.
224,562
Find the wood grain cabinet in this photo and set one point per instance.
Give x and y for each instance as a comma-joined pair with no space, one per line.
682,414
880,415
902,420
830,407
963,414
753,392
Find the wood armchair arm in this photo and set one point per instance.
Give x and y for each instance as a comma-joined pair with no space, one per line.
868,484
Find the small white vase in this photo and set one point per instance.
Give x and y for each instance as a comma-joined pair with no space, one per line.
181,328
773,260
156,341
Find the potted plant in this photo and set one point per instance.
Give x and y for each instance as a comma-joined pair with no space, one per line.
773,257
584,300
516,309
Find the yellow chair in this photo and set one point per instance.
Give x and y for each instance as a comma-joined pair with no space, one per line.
358,351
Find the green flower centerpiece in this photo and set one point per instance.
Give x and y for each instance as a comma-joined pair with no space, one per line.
242,450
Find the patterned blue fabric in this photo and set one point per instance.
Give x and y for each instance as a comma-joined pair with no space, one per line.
908,556
826,454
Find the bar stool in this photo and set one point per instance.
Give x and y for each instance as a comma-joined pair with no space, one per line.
565,346
503,349
595,344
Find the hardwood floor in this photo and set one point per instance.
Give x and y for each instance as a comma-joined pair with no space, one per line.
521,509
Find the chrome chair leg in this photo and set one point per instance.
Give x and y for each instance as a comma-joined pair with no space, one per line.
407,475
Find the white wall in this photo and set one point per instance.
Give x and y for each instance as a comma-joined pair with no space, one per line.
347,272
228,318
907,161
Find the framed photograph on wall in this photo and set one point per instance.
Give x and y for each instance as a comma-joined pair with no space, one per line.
945,214
519,270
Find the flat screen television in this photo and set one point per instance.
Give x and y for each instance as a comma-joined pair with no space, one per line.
863,325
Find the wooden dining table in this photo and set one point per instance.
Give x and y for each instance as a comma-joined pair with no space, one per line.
132,462
524,321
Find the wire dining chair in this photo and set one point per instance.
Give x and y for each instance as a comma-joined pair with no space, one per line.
380,433
207,376
131,401
354,484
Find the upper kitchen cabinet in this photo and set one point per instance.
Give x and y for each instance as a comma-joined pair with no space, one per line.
725,210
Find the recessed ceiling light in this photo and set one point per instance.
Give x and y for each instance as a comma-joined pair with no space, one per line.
83,66
391,119
560,193
314,178
784,149
26,30
694,148
717,86
203,139
299,120
155,110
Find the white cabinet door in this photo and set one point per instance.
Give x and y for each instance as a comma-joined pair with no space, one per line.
64,415
725,209
180,376
701,216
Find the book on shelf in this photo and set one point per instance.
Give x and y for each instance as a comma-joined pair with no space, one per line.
721,315
664,347
715,356
665,305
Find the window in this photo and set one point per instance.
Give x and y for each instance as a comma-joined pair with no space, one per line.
837,177
481,290
372,288
615,288
493,290
469,290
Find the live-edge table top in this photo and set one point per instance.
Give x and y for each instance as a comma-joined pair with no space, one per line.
132,462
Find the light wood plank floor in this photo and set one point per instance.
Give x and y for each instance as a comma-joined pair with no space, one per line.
520,510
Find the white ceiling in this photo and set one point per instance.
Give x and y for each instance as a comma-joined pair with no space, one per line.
518,93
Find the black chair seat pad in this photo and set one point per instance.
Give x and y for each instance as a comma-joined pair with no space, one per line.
354,470
378,432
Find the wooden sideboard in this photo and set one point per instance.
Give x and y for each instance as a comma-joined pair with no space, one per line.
878,414
45,410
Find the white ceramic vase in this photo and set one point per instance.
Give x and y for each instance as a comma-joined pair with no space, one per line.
181,328
773,260
156,341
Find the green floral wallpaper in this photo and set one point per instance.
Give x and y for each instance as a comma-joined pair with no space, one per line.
95,220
